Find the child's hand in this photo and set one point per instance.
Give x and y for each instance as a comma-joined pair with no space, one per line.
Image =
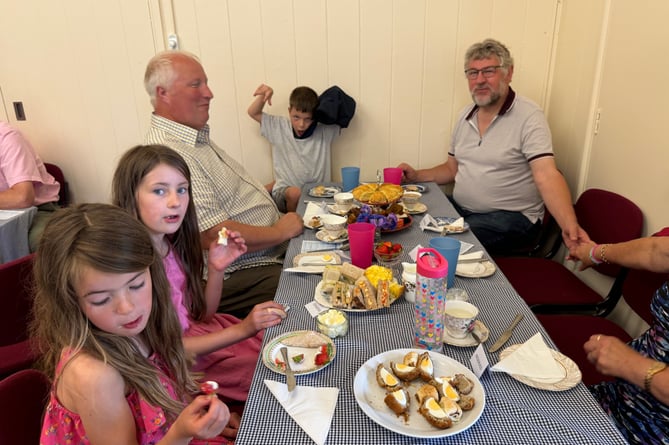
265,315
205,417
221,256
266,92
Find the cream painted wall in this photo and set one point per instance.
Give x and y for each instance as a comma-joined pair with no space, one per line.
401,60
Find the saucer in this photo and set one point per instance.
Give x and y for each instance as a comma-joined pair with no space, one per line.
332,208
468,340
324,237
420,208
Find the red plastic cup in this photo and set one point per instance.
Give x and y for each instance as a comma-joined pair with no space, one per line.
392,175
361,241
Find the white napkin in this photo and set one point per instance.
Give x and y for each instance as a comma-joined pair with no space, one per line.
532,359
312,408
312,210
471,255
460,222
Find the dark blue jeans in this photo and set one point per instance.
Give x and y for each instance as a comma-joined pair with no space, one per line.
501,232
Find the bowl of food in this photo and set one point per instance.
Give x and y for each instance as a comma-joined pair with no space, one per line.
387,253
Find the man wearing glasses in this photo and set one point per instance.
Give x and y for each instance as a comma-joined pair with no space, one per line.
501,160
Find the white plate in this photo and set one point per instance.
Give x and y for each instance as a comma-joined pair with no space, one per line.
309,226
420,208
481,329
370,395
316,259
324,237
447,220
572,373
332,208
414,188
328,192
271,352
475,270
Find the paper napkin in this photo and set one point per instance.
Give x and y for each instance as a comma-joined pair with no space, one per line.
532,359
312,408
471,255
460,222
312,210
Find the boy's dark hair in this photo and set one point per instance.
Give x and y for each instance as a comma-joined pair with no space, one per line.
304,99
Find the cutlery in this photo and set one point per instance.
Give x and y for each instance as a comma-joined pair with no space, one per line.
506,334
473,260
290,376
471,329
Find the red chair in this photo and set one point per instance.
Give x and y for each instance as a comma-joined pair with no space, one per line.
17,297
24,397
546,284
57,173
570,332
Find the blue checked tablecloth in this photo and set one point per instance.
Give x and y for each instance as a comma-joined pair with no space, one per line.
514,413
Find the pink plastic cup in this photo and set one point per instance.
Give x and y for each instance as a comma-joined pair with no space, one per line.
392,175
361,241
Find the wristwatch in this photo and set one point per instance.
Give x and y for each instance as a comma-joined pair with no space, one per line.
650,373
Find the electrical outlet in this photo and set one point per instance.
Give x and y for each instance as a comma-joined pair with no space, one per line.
19,112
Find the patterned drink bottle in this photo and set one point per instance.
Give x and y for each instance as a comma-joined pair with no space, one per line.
431,278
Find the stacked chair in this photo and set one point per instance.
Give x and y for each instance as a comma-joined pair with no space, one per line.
16,294
57,173
547,286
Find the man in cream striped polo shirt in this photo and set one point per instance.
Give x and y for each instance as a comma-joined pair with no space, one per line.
224,193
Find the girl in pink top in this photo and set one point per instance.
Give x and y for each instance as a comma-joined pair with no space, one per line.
153,183
104,324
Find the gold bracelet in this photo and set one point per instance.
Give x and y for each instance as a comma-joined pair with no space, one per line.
602,253
650,373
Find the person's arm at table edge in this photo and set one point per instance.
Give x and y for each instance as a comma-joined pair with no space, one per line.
19,196
441,174
557,198
259,237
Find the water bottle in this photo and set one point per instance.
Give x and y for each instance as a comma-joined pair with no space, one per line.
431,279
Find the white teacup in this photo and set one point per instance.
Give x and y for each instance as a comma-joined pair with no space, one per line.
458,315
334,225
343,201
411,199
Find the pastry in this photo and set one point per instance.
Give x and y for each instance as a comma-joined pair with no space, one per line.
223,236
378,194
209,387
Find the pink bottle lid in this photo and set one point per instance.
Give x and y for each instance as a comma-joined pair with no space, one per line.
431,264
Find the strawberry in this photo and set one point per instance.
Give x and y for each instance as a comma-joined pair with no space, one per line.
396,248
209,387
323,356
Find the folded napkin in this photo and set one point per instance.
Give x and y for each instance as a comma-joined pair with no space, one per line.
312,408
471,255
532,359
460,222
314,209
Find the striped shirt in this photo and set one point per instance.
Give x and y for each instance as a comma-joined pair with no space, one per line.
222,188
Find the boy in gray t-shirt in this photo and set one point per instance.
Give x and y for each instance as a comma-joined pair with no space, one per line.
300,145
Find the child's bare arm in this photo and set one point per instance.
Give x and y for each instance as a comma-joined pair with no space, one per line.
263,94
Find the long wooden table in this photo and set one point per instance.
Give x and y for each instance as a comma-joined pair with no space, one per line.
514,413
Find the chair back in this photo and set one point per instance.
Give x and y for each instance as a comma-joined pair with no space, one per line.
608,217
57,173
640,287
16,295
24,396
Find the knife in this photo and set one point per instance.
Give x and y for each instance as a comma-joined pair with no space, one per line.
506,335
290,376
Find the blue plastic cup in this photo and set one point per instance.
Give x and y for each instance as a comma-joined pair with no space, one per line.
449,248
350,177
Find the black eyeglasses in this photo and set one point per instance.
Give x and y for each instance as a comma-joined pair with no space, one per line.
487,72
